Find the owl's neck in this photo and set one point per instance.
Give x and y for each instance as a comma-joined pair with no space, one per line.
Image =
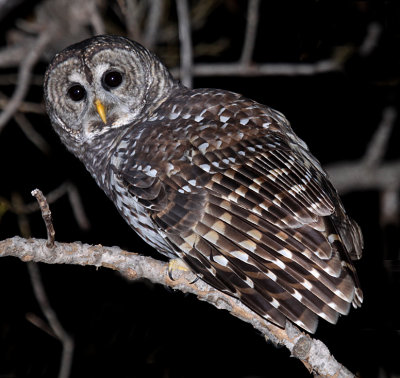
160,91
97,155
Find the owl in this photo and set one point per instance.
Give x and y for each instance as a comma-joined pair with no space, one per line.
209,177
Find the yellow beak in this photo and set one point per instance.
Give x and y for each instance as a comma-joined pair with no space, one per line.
100,109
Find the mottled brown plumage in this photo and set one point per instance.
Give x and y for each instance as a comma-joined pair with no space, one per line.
212,178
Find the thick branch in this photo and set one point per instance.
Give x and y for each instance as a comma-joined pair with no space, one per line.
349,176
313,353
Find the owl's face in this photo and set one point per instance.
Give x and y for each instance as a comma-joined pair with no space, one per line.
101,84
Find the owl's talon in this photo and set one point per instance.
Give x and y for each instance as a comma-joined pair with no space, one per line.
194,281
176,264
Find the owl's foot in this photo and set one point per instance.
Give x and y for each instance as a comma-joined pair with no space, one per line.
176,265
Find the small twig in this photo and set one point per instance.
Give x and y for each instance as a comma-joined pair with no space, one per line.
12,79
371,39
65,188
31,133
77,207
51,316
6,6
389,206
18,205
95,19
39,322
11,56
153,23
24,107
51,197
185,38
251,32
132,11
377,146
46,215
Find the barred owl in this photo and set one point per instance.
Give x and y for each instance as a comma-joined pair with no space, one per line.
210,177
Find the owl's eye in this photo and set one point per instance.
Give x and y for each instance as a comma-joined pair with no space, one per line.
76,93
112,79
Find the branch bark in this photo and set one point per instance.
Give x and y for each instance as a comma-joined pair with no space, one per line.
311,352
185,38
262,69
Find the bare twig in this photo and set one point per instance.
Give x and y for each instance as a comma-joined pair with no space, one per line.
51,316
31,133
133,12
17,204
377,146
12,79
153,23
25,107
12,56
371,39
96,19
38,322
6,6
65,188
52,197
46,214
313,353
185,38
389,206
251,32
77,207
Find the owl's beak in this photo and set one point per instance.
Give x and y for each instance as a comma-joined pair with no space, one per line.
100,109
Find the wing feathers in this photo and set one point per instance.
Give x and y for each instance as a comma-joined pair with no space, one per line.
273,253
254,215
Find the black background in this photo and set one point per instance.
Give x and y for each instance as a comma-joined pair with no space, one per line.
124,329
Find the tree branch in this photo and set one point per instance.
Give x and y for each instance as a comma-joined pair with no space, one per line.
369,172
55,325
185,38
251,32
312,353
263,69
46,215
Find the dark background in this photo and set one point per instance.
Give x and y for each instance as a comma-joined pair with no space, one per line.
125,329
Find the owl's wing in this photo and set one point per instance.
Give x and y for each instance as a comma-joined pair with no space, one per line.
259,221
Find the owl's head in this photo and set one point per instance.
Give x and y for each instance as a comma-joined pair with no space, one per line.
101,84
